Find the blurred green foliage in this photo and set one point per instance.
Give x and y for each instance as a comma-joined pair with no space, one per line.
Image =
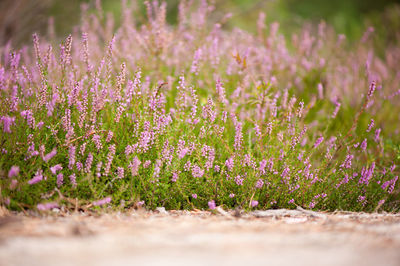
346,16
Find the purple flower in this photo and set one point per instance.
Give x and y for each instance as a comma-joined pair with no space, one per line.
60,179
377,132
7,123
79,166
14,171
239,180
134,166
194,196
109,136
183,152
88,163
238,135
259,183
318,141
50,155
347,161
254,203
197,171
232,195
364,145
110,157
47,206
263,164
211,204
371,89
174,177
120,172
335,112
229,164
72,179
71,153
55,168
371,125
291,201
97,141
102,201
36,178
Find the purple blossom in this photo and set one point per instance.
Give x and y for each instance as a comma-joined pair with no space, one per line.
371,125
110,157
371,89
55,168
60,179
88,163
259,183
239,180
36,178
174,177
47,206
7,123
347,161
134,166
120,172
229,164
238,135
50,155
194,196
211,204
291,201
263,164
109,136
102,201
318,141
232,195
14,171
254,203
146,164
72,179
71,153
377,132
97,141
363,145
197,171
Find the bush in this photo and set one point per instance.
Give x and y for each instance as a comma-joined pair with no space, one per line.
193,116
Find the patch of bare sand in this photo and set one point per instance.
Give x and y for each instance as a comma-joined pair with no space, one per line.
276,237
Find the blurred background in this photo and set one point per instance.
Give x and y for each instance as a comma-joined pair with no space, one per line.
20,18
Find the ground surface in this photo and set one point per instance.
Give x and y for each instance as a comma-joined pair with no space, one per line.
278,237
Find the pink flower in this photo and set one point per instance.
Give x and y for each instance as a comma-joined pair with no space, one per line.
254,203
60,179
50,155
55,168
102,201
211,204
14,171
47,206
37,177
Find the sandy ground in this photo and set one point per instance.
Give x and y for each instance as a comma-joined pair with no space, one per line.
276,237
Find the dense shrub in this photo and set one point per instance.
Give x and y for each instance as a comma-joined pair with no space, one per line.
194,116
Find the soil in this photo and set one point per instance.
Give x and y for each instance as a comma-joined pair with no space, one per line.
274,237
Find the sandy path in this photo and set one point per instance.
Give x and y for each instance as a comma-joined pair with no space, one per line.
199,238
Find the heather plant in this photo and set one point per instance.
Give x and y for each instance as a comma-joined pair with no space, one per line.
195,116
